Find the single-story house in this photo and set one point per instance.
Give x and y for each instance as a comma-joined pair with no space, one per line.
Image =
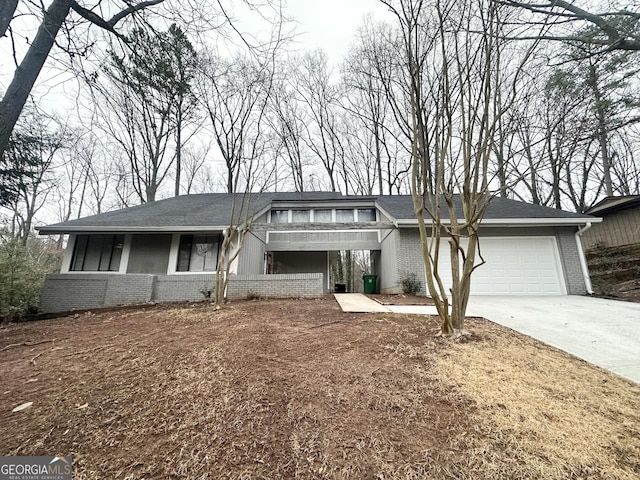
168,250
620,222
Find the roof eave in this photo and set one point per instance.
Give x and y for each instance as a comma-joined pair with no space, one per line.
53,230
516,222
611,206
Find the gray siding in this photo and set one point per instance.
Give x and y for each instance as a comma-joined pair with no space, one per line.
323,241
251,258
149,254
388,268
616,229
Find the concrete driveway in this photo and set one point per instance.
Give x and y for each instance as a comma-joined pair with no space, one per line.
603,332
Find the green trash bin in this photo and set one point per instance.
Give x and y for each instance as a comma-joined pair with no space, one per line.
370,283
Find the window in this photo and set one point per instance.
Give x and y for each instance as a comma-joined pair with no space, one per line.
279,216
322,216
97,253
343,215
198,253
300,216
366,214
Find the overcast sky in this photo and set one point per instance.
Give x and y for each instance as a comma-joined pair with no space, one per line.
331,24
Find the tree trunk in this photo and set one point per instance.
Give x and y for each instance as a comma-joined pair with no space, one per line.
178,153
26,74
222,270
7,9
603,139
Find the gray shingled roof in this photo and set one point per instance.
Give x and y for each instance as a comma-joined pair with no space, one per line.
213,211
401,207
614,204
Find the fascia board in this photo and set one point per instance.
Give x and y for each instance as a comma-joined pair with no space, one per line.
45,230
511,222
303,204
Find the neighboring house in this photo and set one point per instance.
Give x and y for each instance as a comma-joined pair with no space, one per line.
168,250
620,223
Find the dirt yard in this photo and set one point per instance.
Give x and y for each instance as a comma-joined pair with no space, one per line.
272,389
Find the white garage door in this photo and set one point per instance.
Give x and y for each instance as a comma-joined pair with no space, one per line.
514,266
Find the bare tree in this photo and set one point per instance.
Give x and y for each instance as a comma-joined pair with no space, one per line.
193,165
453,63
35,145
311,78
286,121
27,72
235,93
151,103
368,75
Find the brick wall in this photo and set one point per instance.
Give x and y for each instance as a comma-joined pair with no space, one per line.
69,292
410,256
175,288
300,285
64,292
570,258
129,289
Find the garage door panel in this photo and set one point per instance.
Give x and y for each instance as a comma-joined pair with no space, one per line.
514,266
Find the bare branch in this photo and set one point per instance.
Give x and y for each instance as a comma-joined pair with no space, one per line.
615,38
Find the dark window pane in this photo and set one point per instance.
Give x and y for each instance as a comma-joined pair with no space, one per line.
366,215
105,253
93,253
198,253
79,252
204,253
97,253
184,253
211,257
279,216
116,255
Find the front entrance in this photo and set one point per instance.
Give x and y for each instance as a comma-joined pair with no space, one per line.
342,270
342,256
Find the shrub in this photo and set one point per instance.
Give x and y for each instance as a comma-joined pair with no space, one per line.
409,283
207,292
22,272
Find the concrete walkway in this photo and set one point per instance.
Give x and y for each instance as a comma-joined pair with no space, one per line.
603,332
358,303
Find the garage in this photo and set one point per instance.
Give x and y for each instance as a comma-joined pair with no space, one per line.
514,266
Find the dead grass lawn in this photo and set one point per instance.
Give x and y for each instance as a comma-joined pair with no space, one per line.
297,389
